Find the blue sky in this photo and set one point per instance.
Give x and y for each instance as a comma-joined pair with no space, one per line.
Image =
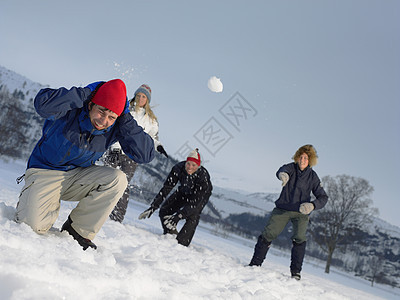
294,72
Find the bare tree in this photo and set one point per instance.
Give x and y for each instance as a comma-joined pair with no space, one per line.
348,210
375,267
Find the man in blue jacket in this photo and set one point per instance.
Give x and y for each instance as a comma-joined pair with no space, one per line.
81,124
294,204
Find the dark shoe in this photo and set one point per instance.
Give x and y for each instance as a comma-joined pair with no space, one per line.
170,231
260,251
296,276
173,231
297,257
85,243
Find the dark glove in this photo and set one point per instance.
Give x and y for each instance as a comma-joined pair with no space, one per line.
172,220
126,109
162,151
92,86
147,213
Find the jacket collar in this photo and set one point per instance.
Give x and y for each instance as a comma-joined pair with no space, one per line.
300,171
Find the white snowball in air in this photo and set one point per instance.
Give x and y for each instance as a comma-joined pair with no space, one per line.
215,84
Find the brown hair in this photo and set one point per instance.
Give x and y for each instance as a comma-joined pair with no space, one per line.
311,153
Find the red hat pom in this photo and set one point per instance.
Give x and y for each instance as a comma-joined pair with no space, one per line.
194,156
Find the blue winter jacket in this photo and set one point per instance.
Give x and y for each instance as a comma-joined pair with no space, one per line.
69,139
299,188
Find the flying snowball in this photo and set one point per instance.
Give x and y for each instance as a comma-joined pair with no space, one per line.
215,84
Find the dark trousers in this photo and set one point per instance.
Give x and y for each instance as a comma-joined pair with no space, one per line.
172,205
116,159
275,225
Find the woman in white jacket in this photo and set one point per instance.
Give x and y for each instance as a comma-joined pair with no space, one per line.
141,111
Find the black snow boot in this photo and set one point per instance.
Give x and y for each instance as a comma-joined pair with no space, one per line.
260,251
171,231
296,276
85,243
298,252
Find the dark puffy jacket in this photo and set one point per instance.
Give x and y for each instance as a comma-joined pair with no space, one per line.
299,188
69,139
195,189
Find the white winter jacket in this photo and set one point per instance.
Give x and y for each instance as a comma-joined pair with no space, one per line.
149,126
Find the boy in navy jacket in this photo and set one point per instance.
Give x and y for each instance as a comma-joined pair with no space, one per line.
294,204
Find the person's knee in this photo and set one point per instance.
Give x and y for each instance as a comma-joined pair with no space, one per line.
193,220
265,239
299,236
40,229
270,233
121,178
268,236
114,179
33,222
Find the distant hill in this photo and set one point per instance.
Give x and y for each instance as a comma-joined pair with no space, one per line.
20,124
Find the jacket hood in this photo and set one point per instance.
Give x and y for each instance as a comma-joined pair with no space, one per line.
310,151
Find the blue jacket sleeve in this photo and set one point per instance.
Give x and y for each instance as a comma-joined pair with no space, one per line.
57,102
136,143
93,86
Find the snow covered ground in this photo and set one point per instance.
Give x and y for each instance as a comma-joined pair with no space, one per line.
134,261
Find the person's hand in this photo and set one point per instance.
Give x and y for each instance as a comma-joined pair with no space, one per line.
171,221
306,208
284,177
161,149
92,86
147,213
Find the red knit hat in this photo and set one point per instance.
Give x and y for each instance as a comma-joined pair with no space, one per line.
111,95
194,156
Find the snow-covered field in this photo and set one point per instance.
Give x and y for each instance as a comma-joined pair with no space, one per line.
134,261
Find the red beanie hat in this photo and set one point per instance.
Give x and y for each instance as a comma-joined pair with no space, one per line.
194,156
111,95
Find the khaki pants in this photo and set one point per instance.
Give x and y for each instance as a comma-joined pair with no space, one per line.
278,221
97,189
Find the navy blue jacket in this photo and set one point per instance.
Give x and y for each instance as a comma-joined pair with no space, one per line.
299,188
69,139
194,189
